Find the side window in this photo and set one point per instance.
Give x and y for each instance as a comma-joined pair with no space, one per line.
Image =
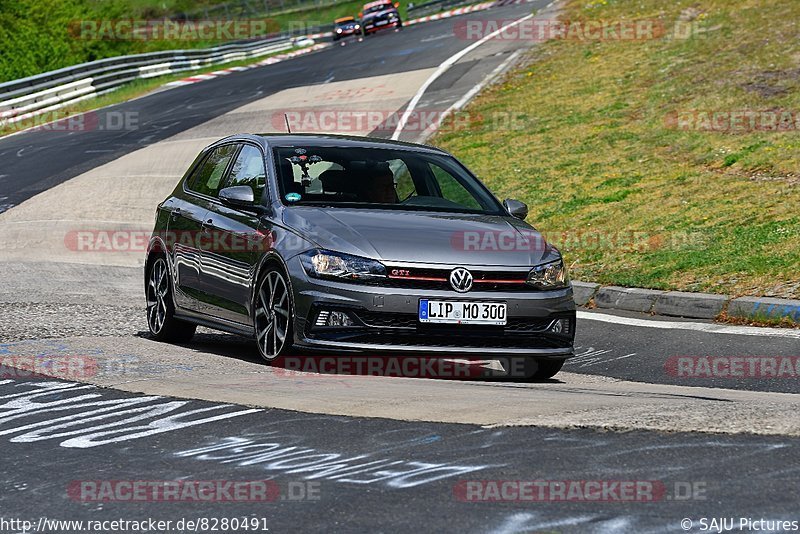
452,189
404,184
249,170
209,179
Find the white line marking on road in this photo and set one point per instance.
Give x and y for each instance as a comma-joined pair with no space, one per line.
444,68
271,455
85,420
711,328
461,102
437,38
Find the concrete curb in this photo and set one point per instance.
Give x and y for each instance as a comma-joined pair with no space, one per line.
584,292
765,308
696,305
682,304
630,299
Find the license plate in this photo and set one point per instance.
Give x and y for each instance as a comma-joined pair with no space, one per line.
381,22
460,312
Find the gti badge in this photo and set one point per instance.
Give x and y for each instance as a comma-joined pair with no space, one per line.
461,279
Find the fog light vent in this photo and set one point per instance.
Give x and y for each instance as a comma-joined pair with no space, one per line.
322,318
560,326
333,318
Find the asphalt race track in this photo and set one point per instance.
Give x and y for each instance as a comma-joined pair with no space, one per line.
338,451
356,474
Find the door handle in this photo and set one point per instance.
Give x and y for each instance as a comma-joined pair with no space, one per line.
174,214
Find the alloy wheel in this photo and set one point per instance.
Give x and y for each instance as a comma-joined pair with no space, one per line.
272,315
157,290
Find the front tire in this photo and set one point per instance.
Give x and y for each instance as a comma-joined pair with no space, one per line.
273,309
160,307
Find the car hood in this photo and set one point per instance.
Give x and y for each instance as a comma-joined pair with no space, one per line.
422,237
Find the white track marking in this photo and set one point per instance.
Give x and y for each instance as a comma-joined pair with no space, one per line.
461,102
444,67
711,328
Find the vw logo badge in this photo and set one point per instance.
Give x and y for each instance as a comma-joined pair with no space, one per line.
461,279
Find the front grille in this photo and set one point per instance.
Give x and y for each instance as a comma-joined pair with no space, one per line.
388,320
438,279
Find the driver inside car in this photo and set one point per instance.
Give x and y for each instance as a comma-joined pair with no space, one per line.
379,187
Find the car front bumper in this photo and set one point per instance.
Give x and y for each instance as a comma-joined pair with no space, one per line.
386,320
375,27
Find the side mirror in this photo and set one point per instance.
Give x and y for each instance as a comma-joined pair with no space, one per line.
397,5
515,208
361,14
240,196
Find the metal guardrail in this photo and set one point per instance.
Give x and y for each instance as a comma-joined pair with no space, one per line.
34,95
27,97
434,6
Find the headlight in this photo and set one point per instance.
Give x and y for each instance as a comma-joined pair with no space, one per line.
327,264
357,26
551,275
338,30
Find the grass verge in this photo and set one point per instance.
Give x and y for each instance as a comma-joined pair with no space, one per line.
615,147
41,35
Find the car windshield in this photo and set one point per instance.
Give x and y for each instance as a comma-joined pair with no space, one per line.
347,22
379,7
358,177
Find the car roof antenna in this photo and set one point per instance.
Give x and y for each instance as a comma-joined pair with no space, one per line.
286,118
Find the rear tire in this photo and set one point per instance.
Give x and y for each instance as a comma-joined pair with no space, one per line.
543,369
160,307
